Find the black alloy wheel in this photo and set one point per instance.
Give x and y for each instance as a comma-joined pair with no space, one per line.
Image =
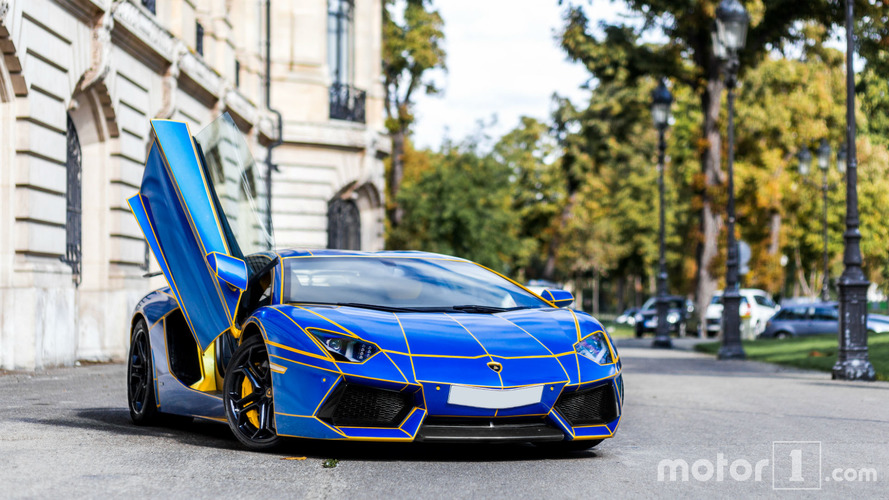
247,395
140,378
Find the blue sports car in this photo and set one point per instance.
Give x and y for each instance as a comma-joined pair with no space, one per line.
325,344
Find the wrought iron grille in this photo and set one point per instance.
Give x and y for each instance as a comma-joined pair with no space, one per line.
73,216
343,225
347,103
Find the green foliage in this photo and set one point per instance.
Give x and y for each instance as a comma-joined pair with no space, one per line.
817,352
537,186
413,44
461,205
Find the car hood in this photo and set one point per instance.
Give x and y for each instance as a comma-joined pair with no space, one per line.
457,347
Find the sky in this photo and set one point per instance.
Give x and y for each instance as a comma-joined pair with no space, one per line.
503,59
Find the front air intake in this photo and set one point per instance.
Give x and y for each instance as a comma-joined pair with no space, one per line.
359,406
594,406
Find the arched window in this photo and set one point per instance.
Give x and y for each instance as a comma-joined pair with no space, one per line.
343,225
73,216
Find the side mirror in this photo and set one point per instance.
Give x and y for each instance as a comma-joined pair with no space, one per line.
561,298
231,270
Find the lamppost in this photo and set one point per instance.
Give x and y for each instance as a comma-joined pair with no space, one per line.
852,360
661,100
731,33
805,161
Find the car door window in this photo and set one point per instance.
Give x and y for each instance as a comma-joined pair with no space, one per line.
763,301
826,314
793,314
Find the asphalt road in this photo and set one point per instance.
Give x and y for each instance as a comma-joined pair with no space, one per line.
67,432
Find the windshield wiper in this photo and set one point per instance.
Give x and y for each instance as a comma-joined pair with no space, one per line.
375,307
475,308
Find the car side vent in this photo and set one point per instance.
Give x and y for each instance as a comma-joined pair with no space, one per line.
359,406
589,406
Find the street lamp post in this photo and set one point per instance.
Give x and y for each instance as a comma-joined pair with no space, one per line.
731,30
661,100
824,165
805,161
852,360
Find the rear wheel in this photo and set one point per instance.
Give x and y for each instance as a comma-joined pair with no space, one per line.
247,395
782,335
140,378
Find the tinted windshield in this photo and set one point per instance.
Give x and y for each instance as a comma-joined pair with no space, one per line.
400,283
234,176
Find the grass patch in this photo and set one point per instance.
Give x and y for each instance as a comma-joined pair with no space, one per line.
817,352
618,330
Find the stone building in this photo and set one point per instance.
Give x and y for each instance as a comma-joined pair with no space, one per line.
79,81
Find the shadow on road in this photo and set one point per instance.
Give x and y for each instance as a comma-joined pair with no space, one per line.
218,435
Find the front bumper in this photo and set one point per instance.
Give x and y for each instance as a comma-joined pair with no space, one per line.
342,406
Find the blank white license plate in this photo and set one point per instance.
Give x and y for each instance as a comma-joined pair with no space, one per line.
499,399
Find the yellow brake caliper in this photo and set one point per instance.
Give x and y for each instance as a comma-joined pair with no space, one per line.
246,390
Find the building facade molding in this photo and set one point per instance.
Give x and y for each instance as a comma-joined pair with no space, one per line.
110,67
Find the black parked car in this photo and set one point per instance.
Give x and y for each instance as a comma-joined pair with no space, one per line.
681,316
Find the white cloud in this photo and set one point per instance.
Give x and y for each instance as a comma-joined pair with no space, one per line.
504,60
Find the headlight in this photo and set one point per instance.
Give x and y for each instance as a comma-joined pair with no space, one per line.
673,317
344,348
595,347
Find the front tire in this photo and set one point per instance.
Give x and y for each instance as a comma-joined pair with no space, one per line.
140,378
782,335
247,396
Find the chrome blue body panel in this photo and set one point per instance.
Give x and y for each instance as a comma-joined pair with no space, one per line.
420,354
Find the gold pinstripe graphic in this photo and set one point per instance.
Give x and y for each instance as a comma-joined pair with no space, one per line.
190,218
164,257
539,342
480,344
577,358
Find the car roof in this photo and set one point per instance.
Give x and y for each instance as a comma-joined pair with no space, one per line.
412,254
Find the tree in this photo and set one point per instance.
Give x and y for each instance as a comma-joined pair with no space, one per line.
687,58
460,203
413,39
538,188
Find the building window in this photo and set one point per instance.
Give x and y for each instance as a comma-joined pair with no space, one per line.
73,215
237,73
150,5
199,38
339,40
343,225
346,101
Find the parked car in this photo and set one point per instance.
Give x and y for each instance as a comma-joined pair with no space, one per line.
680,316
877,323
818,318
343,345
628,317
756,306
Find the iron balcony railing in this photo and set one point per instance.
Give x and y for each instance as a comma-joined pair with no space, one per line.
347,103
